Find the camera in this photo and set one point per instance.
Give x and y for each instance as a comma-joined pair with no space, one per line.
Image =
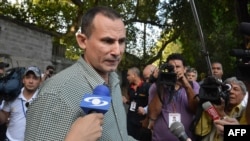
166,81
243,63
213,90
240,53
167,76
243,54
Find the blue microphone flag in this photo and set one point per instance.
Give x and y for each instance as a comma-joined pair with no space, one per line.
98,102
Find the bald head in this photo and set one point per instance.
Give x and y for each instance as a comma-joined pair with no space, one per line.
148,70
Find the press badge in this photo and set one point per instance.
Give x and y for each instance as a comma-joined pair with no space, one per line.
173,117
132,106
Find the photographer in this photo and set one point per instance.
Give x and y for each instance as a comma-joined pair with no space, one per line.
209,129
48,73
171,96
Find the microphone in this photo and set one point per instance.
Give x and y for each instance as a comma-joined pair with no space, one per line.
244,28
98,102
178,130
209,108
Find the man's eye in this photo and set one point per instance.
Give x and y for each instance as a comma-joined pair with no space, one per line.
122,41
109,41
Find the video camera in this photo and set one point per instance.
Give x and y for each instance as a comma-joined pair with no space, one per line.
167,76
213,90
166,80
243,55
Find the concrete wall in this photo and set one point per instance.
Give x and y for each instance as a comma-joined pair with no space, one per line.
26,46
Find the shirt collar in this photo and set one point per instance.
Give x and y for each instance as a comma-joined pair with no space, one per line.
236,111
21,96
113,77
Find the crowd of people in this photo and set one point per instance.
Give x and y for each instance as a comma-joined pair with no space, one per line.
48,108
169,103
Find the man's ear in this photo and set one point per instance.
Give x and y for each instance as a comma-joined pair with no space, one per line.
81,40
23,79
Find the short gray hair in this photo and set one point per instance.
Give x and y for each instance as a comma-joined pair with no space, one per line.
238,82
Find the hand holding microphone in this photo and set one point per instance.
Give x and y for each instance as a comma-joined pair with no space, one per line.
89,127
86,128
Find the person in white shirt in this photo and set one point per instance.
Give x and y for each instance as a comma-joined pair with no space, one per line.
14,112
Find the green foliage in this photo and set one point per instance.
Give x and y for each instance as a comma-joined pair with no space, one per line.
174,17
219,26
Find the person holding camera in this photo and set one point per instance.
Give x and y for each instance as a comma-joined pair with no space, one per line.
172,96
231,112
48,73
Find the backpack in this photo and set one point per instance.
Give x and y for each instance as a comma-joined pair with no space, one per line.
11,84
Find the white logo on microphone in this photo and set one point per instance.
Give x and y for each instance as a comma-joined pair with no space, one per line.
96,101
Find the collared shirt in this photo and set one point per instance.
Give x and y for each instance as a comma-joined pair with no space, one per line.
17,122
58,105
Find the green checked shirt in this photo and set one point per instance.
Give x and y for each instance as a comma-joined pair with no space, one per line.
57,106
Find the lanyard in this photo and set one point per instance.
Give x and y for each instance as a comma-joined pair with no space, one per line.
173,106
24,112
175,97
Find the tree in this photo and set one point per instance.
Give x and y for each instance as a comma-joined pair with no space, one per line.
174,18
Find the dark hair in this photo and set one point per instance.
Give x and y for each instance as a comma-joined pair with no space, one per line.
176,56
87,19
216,62
50,67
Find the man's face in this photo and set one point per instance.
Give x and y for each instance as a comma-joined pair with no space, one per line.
217,70
31,82
49,72
191,76
146,75
179,68
236,95
147,72
106,44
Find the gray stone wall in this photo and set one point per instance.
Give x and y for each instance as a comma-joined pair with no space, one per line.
26,46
